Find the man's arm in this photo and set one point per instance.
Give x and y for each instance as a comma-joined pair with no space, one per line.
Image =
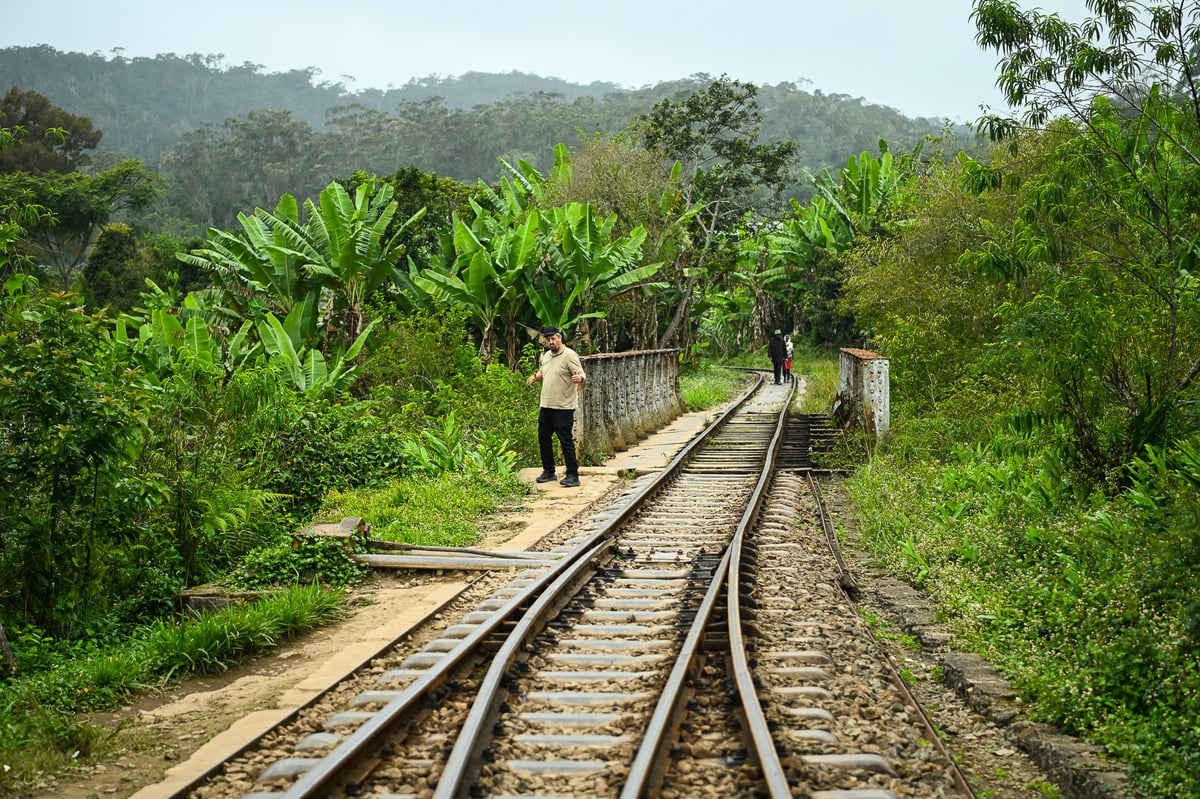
576,367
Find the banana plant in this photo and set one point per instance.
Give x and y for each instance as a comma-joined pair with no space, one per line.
862,189
343,249
488,275
524,188
253,269
322,269
588,267
305,368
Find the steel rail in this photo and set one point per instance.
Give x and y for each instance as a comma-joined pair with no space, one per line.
341,765
466,752
213,770
648,765
845,578
849,587
756,720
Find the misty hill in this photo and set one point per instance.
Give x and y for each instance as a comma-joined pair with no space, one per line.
144,105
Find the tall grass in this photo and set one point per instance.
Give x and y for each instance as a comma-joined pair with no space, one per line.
820,373
41,727
711,385
448,509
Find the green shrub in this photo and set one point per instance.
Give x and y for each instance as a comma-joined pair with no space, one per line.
321,447
436,511
447,448
305,559
73,420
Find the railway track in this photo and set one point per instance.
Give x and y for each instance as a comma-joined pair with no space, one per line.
696,637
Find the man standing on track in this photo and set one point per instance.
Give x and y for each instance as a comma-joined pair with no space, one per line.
777,351
559,374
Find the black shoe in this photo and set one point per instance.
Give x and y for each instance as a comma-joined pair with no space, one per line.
546,477
570,481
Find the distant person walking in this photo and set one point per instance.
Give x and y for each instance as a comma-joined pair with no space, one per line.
777,352
787,358
560,373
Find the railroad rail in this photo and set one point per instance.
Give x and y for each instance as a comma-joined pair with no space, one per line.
694,638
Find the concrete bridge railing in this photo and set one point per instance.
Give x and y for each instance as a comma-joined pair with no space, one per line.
863,396
626,397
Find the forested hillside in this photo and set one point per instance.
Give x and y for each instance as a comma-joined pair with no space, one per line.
458,126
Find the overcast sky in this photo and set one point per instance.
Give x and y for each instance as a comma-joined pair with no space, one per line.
919,58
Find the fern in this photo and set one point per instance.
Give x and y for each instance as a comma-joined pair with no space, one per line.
226,516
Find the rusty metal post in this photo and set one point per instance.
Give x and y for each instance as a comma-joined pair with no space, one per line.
864,391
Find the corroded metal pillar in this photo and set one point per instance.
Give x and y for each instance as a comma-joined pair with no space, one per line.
863,391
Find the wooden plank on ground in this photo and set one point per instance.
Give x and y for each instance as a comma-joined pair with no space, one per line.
346,528
420,549
449,562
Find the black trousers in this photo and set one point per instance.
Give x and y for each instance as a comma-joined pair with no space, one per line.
557,422
778,370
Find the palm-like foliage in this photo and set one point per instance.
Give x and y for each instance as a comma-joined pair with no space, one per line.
253,271
344,251
589,267
520,264
300,285
797,262
492,257
318,271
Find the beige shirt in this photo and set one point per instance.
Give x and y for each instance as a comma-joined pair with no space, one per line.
557,389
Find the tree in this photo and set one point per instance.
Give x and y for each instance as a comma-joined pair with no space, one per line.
440,197
18,211
116,271
618,177
589,267
249,163
934,312
53,140
714,133
490,262
1118,213
524,262
80,205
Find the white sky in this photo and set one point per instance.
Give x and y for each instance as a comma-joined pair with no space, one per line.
919,58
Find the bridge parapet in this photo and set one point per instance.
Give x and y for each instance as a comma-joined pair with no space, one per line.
626,397
863,391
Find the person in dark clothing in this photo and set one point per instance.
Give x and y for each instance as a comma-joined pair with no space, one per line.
777,351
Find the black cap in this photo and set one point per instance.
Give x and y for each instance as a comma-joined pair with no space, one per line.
550,330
